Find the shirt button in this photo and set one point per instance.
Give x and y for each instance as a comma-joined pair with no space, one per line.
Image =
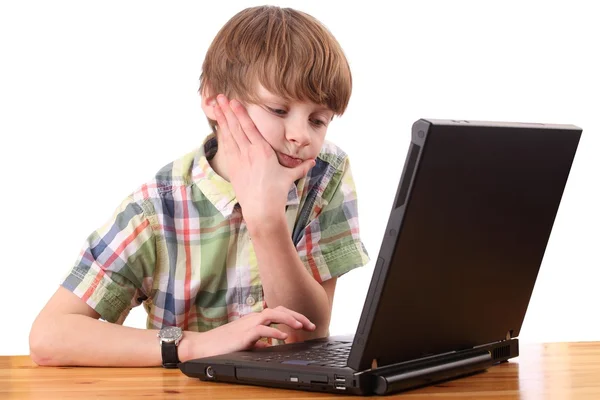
250,301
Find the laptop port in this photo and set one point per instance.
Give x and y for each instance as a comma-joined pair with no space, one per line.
210,373
339,382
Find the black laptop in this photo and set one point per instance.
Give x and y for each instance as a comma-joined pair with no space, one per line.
457,265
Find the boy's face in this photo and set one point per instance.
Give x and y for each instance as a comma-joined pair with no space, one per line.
295,130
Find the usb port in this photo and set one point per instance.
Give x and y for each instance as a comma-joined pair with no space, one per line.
339,382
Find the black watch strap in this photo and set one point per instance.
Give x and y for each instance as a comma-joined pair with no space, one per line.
170,359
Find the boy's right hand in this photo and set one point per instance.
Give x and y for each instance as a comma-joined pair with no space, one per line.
241,334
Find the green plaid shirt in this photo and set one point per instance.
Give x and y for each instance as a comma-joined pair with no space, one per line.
179,246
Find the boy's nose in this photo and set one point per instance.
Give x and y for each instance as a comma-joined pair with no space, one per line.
299,134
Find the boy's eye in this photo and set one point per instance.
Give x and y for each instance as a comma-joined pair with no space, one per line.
277,111
319,122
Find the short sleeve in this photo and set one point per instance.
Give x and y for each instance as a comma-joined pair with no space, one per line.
114,269
330,244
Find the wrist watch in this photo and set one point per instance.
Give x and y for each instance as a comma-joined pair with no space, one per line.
169,337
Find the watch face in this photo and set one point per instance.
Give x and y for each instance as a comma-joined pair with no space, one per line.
170,334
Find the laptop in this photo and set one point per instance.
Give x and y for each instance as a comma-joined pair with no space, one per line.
463,245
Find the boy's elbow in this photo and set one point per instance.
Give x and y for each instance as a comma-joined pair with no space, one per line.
40,345
37,358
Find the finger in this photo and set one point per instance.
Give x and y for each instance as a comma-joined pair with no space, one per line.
306,323
236,130
228,144
252,133
261,344
301,170
273,316
282,315
262,331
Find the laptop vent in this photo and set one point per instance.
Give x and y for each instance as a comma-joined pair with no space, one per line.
409,170
501,352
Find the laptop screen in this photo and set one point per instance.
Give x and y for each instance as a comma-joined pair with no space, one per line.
465,239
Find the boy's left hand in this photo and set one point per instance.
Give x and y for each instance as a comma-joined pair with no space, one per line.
261,184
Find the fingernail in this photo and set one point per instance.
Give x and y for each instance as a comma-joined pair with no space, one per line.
298,324
221,99
312,325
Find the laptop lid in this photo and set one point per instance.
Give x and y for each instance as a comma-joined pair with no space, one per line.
465,238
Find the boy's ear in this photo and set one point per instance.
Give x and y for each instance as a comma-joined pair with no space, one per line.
208,100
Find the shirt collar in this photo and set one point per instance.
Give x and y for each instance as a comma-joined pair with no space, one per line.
216,189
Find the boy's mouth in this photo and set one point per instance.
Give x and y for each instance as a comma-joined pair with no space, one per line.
288,161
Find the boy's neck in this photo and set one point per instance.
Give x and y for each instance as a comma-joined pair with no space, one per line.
218,165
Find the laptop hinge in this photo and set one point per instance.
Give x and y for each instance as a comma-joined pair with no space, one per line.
393,378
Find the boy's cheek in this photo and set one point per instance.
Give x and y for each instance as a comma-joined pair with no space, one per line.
254,114
266,125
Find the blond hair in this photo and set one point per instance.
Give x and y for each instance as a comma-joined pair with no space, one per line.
287,51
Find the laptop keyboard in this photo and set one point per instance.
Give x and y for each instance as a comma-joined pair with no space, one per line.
330,354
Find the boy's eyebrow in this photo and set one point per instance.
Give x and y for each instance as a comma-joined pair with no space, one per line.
271,97
324,108
278,99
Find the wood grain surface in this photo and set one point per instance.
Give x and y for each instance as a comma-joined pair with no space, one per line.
544,371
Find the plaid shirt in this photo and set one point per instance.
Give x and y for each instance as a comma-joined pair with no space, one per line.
179,244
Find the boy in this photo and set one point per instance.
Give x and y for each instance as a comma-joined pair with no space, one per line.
239,243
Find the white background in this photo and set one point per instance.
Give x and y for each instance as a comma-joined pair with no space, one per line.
95,97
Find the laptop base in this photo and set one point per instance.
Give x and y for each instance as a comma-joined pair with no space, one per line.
384,380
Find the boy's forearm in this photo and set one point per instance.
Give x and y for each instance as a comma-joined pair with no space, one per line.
285,280
80,340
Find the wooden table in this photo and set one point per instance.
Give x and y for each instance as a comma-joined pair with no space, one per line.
556,371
